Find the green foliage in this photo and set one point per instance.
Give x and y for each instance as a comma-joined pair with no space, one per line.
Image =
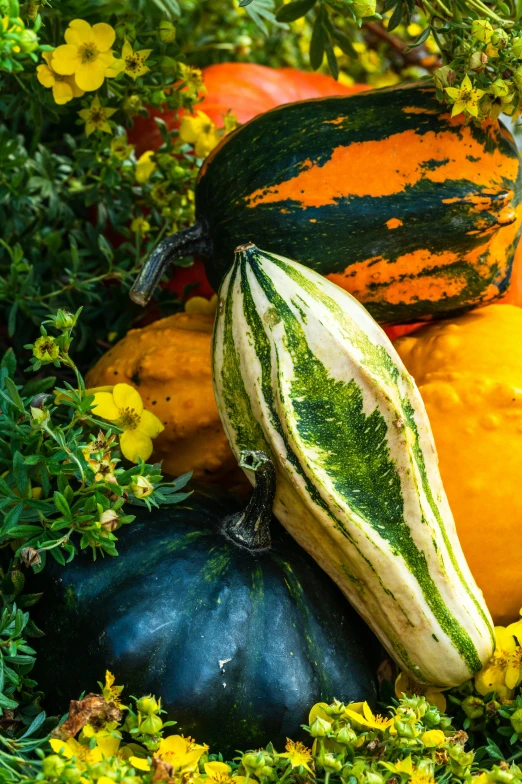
61,489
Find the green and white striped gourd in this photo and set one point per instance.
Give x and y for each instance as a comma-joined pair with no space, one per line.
303,372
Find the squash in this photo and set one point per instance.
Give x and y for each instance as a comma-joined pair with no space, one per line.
302,372
245,90
237,634
469,373
168,361
416,214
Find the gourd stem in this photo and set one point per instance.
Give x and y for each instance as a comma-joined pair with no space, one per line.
251,527
194,240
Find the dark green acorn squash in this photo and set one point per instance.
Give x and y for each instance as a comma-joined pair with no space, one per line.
238,635
413,212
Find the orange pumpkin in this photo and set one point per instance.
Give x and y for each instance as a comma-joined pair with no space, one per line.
168,362
245,90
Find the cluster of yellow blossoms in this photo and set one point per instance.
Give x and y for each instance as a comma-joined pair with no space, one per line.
86,59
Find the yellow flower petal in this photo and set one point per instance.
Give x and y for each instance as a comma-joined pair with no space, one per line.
436,698
105,407
433,739
472,109
458,108
149,424
90,76
126,396
60,747
211,768
45,76
47,56
77,93
505,639
66,60
126,50
62,93
319,711
453,92
104,36
114,69
139,764
78,32
134,445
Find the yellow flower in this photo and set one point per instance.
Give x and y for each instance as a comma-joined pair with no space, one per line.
401,766
71,748
87,53
503,672
219,773
433,739
120,149
106,741
298,754
145,167
465,98
96,117
199,131
134,62
404,685
182,753
421,777
193,80
103,469
64,87
46,349
367,719
124,406
140,226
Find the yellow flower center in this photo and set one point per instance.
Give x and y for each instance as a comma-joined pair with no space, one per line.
133,63
98,116
88,52
129,419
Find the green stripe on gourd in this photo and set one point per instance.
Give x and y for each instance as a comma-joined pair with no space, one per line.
358,480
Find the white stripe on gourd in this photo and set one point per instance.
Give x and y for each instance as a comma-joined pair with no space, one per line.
303,371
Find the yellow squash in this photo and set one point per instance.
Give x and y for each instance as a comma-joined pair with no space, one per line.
469,372
169,363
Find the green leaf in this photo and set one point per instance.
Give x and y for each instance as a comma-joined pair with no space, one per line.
332,60
20,473
396,17
318,41
61,504
9,362
11,320
6,703
294,10
13,394
344,43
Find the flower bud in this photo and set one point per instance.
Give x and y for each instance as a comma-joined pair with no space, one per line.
372,777
500,38
151,725
53,766
406,729
365,7
253,762
444,77
132,105
516,47
28,41
477,61
481,30
499,88
148,705
167,32
473,707
320,728
72,774
346,736
141,487
109,520
333,765
516,720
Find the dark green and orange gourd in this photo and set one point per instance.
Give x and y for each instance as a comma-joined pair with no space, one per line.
414,213
234,626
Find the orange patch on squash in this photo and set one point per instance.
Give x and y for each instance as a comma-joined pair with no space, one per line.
402,159
393,223
418,110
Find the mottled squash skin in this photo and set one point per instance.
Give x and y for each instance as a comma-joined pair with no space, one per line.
238,643
469,372
168,362
414,213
